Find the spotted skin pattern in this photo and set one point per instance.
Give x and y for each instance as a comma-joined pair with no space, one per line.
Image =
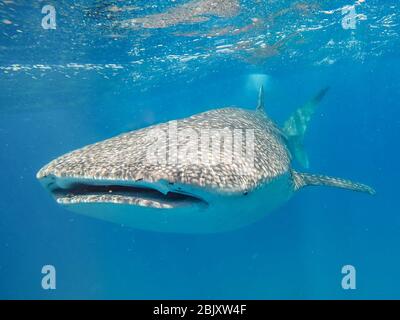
174,177
125,157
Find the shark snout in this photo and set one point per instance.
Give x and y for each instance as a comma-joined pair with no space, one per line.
69,188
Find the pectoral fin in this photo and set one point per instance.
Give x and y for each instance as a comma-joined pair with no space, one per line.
304,179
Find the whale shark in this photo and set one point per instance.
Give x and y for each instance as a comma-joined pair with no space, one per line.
214,171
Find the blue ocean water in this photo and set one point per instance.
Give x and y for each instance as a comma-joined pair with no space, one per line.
96,75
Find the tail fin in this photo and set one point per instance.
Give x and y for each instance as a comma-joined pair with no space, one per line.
296,126
304,179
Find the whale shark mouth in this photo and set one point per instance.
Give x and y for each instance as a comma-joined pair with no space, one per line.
79,191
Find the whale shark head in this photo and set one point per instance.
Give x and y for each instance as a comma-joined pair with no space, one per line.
194,164
213,171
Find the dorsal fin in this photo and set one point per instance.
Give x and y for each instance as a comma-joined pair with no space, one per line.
260,105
